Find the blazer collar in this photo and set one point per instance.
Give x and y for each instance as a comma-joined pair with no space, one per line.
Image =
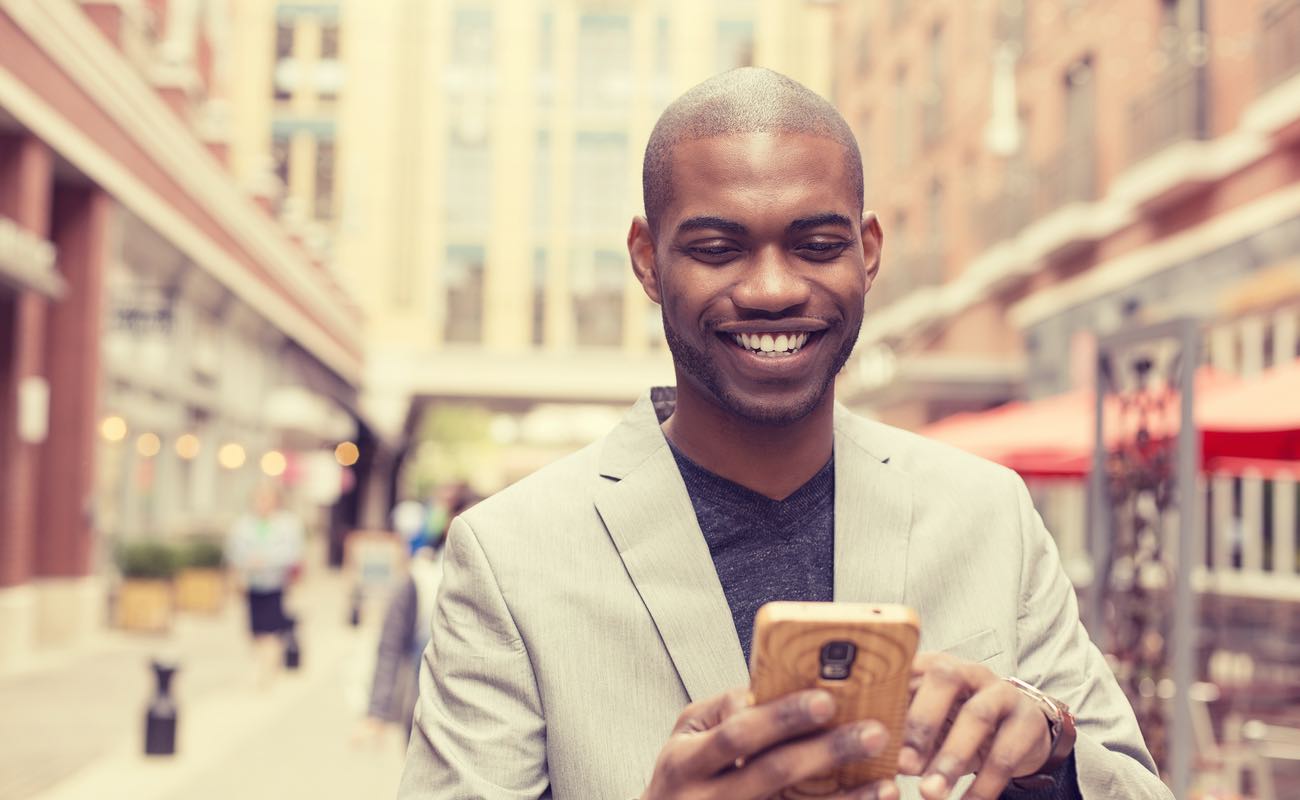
649,516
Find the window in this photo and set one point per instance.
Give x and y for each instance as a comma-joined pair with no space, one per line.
542,184
329,69
598,298
931,270
902,127
285,79
463,285
280,142
545,77
471,41
329,40
324,201
604,69
600,171
468,190
935,94
539,296
735,45
663,76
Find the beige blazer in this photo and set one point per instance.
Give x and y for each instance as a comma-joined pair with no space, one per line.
580,612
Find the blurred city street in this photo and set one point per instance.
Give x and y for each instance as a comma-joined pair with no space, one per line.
285,285
73,725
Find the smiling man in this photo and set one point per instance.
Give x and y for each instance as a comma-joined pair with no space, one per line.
594,621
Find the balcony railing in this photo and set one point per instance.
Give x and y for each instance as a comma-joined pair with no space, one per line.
1279,54
1068,177
1173,111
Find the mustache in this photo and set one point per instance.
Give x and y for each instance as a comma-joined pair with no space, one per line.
713,324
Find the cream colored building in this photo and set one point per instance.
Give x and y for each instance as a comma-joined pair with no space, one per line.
485,164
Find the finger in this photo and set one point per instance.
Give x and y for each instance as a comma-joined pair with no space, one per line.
976,725
708,713
942,685
756,728
800,760
1014,745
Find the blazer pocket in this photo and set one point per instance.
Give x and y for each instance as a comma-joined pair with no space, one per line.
979,647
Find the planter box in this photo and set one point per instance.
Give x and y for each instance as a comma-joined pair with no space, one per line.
201,589
145,604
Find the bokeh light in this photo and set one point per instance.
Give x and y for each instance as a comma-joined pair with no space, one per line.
148,445
347,453
113,428
188,446
273,463
231,456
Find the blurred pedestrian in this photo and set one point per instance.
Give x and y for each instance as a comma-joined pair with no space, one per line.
265,548
407,621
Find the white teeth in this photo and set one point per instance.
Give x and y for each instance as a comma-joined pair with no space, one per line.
766,343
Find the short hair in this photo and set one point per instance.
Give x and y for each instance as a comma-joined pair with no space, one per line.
744,100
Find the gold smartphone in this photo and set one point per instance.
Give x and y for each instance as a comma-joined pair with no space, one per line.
859,652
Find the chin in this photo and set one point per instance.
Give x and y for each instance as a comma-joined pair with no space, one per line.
771,410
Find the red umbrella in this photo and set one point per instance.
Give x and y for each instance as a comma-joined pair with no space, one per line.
1255,418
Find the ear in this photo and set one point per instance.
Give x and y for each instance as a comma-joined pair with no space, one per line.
641,247
873,239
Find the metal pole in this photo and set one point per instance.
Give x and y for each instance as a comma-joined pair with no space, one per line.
1099,529
1184,628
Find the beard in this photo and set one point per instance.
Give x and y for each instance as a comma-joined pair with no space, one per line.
698,365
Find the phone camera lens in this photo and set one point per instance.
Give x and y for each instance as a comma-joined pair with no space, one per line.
837,660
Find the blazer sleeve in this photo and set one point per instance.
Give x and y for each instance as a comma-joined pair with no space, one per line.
478,730
1055,654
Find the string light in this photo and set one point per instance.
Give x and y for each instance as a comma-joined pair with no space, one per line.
231,456
148,445
273,463
187,446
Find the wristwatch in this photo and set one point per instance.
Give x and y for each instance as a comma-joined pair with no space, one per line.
1060,724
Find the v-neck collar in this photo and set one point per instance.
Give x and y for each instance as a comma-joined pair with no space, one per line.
724,491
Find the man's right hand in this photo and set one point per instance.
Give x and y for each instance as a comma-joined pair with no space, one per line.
726,748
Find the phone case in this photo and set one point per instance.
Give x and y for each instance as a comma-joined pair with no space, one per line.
787,657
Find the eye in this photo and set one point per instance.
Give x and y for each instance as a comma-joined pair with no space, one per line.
712,253
821,250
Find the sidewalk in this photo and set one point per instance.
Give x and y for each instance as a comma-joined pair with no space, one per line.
74,730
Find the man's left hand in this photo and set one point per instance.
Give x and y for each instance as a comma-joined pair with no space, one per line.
965,718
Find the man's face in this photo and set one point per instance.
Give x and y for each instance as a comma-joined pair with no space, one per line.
761,267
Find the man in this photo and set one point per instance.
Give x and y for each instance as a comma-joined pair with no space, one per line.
585,607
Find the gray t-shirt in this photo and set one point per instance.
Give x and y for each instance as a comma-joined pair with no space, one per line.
765,549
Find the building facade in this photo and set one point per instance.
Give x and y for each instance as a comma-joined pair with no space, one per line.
164,342
484,165
1047,171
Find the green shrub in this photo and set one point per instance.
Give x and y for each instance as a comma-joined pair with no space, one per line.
147,558
203,552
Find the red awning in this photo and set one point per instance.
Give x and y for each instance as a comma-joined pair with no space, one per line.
1256,418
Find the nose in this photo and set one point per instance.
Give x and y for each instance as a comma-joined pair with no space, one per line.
771,285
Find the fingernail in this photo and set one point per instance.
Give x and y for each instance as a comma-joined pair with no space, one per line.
821,707
946,765
909,761
874,737
934,786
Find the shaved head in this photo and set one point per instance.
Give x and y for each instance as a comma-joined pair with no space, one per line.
745,100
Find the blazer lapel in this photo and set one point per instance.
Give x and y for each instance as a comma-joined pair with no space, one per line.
873,519
649,516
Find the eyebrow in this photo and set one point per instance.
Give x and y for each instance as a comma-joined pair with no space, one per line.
713,224
818,220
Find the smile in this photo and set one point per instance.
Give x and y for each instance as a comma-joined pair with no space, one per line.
771,345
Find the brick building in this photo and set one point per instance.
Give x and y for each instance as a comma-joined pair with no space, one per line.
1045,171
151,313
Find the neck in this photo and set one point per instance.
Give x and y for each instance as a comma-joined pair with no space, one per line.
773,460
